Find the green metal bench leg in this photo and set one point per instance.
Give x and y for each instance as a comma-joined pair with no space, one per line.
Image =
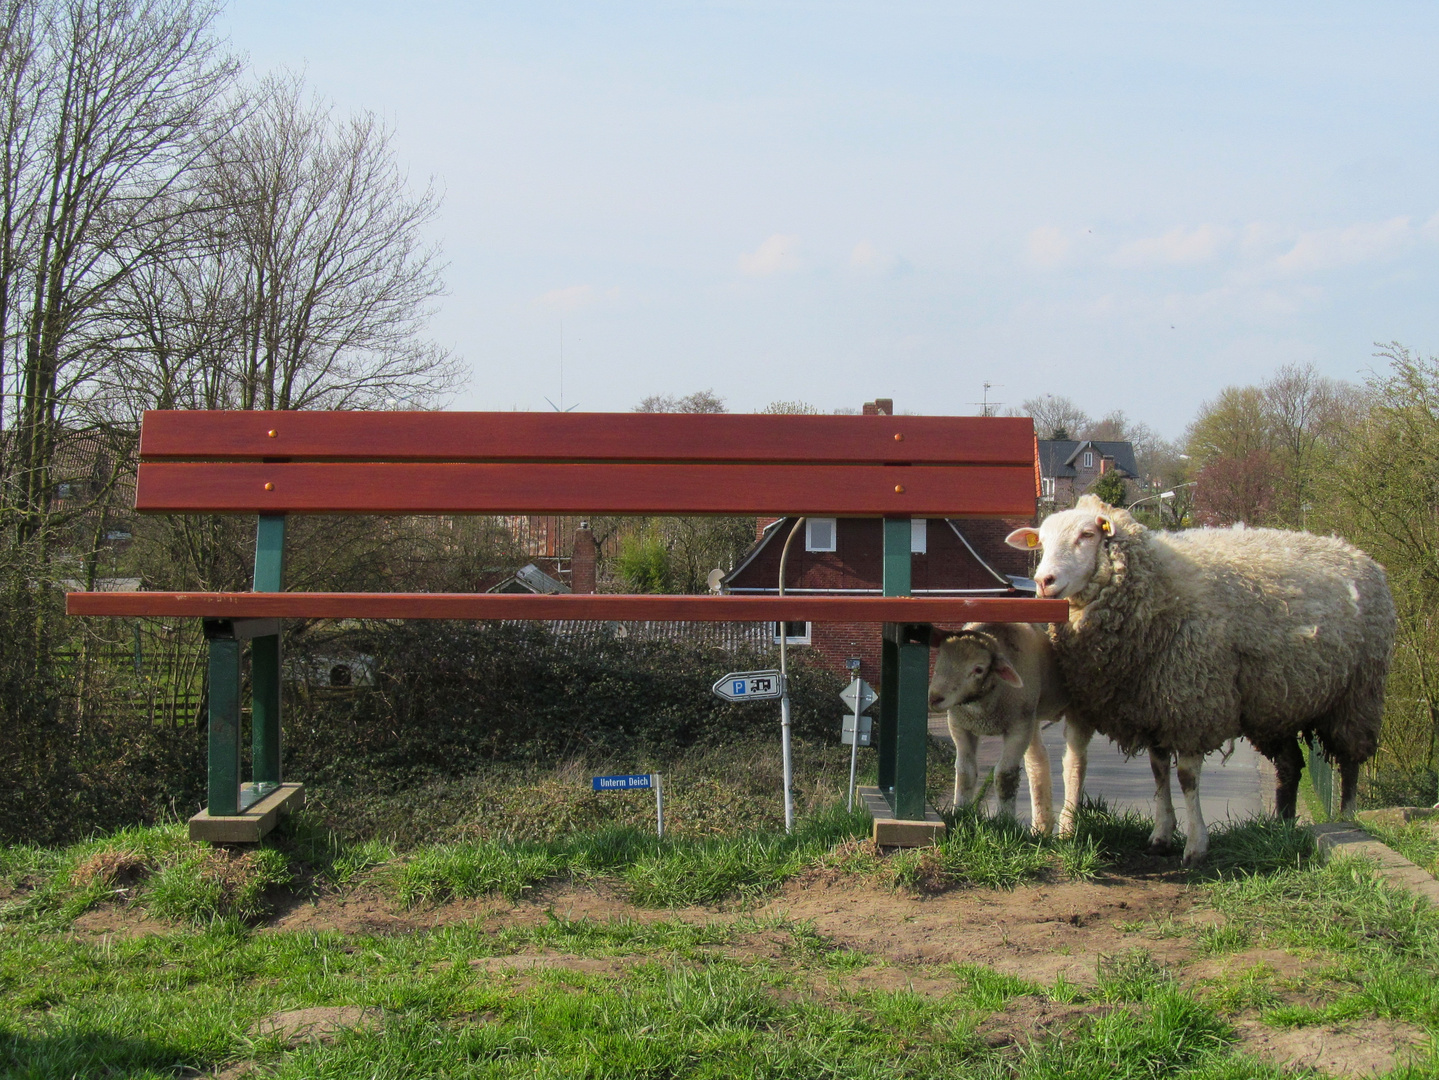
911,742
265,713
888,708
224,787
904,687
265,659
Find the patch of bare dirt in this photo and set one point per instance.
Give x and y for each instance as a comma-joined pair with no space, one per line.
1035,932
1282,964
321,1024
122,921
1361,1048
370,910
1030,1019
892,979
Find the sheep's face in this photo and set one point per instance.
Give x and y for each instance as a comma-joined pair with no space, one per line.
1071,540
965,670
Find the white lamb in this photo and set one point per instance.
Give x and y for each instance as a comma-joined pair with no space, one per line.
1179,642
1000,679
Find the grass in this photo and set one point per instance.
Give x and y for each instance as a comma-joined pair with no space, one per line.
1417,841
690,996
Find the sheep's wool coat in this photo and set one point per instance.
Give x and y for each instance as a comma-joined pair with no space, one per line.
1183,641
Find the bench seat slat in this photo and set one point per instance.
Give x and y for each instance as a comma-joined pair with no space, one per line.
474,436
413,488
581,607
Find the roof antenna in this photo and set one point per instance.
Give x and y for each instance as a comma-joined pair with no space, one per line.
560,407
987,407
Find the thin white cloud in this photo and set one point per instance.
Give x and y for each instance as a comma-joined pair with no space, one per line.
1324,249
777,255
1047,247
1177,247
868,258
568,299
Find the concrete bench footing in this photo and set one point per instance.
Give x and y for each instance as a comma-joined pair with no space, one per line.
890,831
248,826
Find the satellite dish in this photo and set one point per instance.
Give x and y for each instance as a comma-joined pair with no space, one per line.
715,577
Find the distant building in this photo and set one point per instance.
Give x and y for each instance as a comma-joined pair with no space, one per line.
844,557
1068,467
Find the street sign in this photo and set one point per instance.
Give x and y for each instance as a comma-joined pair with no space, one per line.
858,696
751,686
632,782
637,782
866,730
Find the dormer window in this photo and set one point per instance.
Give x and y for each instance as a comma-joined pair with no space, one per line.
819,534
1089,459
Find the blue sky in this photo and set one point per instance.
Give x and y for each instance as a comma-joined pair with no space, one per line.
1133,205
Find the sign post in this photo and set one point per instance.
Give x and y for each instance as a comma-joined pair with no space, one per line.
856,728
765,686
637,782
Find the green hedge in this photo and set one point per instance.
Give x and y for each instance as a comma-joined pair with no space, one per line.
448,697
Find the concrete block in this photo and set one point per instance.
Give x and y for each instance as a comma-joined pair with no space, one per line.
253,823
890,831
1346,838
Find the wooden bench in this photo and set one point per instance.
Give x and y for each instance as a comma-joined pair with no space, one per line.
274,464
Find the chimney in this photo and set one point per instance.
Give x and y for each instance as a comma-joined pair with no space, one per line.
582,560
879,407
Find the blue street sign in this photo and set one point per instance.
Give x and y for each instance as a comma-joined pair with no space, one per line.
634,781
751,686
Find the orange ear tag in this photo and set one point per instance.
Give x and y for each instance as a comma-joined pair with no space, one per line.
1032,540
1107,528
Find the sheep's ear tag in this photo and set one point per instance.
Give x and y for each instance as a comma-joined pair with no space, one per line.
1106,527
1031,539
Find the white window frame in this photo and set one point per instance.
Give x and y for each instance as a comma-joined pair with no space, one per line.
795,639
1089,459
809,524
918,536
1046,487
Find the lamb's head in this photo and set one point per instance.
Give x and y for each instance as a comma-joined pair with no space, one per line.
967,667
1074,543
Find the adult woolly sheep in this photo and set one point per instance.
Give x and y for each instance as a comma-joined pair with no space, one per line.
1178,642
1000,679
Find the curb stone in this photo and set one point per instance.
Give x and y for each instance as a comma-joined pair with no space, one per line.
1343,837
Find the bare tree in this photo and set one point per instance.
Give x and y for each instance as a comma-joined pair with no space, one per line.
312,287
1055,416
701,401
104,122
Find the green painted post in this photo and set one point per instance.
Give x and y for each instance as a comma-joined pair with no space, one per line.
265,659
896,582
912,729
897,557
224,793
888,707
904,697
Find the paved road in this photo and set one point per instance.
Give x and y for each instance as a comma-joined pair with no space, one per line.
1240,788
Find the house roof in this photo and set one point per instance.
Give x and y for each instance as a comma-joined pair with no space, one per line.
781,527
1057,456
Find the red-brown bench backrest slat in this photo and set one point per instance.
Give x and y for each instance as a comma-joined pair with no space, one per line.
438,488
588,437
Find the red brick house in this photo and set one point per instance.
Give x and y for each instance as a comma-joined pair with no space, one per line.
1067,468
838,556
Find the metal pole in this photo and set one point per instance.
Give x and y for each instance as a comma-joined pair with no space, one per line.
659,805
784,698
853,760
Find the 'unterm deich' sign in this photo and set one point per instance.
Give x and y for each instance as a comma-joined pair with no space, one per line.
623,783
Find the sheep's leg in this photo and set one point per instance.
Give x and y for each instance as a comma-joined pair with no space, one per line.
966,765
1288,762
1196,844
1348,788
1161,841
1076,762
1006,772
1041,788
